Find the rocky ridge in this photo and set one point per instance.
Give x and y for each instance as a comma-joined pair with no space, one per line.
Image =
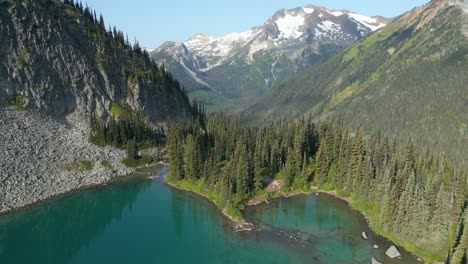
57,57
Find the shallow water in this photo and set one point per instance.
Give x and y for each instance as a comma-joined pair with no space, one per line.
141,221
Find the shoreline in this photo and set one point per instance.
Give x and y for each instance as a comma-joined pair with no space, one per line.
313,191
316,191
134,175
239,225
58,196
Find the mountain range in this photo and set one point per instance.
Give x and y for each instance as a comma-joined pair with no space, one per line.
232,71
406,80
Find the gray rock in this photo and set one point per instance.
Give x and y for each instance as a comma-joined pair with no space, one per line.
33,169
364,235
375,261
393,252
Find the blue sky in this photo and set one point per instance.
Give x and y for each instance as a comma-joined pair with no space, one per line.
154,21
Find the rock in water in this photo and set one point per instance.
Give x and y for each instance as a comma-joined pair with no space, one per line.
364,235
376,247
374,261
393,252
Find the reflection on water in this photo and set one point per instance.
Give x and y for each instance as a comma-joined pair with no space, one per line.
55,231
140,221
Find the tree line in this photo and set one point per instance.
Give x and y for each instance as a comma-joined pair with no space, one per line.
110,42
118,132
414,197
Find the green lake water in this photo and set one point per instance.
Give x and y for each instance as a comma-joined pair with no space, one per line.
142,221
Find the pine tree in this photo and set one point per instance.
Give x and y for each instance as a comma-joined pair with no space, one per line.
191,158
289,170
357,157
322,164
460,251
242,171
132,150
176,154
304,172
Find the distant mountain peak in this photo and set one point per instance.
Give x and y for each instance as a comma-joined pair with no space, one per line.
290,41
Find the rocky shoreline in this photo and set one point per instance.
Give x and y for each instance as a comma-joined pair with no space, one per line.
43,157
240,225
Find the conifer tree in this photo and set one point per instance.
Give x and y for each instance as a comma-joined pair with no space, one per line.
132,150
322,164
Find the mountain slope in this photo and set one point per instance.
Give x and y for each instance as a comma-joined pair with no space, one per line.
409,79
58,57
237,68
58,67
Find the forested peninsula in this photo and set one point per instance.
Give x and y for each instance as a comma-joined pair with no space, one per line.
409,195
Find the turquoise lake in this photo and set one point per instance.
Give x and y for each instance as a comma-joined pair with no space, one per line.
145,221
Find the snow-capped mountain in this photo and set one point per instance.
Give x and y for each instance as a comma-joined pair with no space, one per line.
241,66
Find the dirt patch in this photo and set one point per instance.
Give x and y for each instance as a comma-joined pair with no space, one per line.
275,186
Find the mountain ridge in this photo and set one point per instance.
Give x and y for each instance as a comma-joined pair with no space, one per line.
287,43
404,80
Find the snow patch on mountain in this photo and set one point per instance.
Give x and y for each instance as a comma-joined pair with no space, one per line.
369,22
330,27
220,46
217,49
337,13
289,26
308,10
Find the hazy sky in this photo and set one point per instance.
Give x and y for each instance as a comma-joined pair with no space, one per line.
153,22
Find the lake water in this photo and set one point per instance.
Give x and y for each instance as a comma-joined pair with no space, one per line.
142,221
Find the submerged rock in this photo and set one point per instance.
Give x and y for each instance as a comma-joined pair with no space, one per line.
375,261
244,227
393,252
364,235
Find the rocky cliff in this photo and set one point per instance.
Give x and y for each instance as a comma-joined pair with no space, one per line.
59,58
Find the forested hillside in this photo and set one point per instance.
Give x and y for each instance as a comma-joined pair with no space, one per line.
60,57
407,79
413,196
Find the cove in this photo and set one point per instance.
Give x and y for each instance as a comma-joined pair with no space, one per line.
141,221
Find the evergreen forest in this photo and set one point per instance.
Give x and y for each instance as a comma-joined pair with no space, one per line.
414,197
